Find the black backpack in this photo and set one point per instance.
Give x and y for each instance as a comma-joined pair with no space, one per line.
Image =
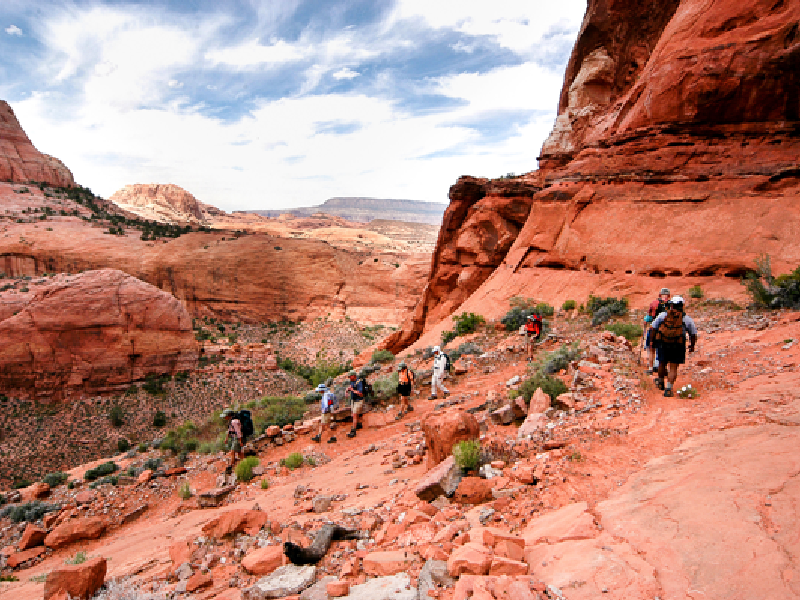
369,393
446,362
247,423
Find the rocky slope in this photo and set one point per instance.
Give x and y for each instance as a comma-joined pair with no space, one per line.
673,161
166,203
369,209
96,331
20,161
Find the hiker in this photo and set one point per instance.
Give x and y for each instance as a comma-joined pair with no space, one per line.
533,327
327,403
405,380
440,362
235,436
669,331
657,306
356,390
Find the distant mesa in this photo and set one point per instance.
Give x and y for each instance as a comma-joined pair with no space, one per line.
369,209
165,203
20,162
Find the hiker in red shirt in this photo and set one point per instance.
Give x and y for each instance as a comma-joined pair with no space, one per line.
657,306
533,328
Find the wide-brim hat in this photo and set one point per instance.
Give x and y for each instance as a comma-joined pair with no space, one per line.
321,388
664,292
226,413
402,365
436,349
676,300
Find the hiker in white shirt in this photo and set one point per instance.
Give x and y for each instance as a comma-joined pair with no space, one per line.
439,369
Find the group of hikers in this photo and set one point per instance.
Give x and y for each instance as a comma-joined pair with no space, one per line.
668,327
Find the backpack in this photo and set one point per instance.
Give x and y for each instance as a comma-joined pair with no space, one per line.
662,307
671,330
446,362
247,423
369,393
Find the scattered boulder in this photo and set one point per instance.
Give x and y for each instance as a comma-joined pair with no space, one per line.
388,563
74,530
236,521
442,480
284,581
79,581
442,430
32,536
540,402
264,560
473,490
395,587
471,558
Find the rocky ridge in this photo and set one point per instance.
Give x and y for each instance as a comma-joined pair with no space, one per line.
163,203
369,209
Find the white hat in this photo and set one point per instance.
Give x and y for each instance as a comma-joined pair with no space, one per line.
436,349
321,388
676,300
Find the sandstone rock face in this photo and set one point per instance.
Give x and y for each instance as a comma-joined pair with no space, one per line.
445,429
165,203
99,330
20,161
673,162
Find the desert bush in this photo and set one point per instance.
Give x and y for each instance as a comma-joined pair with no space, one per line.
185,492
159,419
465,348
123,445
116,416
696,292
553,362
244,468
448,336
516,317
630,331
99,471
264,484
142,447
569,305
153,464
182,439
544,309
55,479
382,356
603,309
386,387
773,292
154,384
466,323
466,454
79,558
293,461
551,386
314,375
30,512
282,411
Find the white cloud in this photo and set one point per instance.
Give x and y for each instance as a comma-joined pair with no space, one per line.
253,54
174,83
13,30
346,73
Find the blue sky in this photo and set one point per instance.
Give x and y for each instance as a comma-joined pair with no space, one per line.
270,104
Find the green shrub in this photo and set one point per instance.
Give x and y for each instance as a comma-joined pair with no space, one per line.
553,362
293,461
79,558
773,292
185,492
244,468
551,386
448,336
321,372
544,309
142,447
516,317
696,292
30,512
382,356
630,331
116,416
386,387
466,454
152,464
569,305
159,419
55,479
282,411
8,578
603,309
123,445
465,348
687,391
467,323
99,471
264,484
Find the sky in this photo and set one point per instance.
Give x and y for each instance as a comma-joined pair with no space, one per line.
265,104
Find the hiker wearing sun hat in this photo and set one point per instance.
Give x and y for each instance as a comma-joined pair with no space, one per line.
405,380
234,435
326,404
670,330
441,364
657,307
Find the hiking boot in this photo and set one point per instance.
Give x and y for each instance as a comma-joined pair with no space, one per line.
410,409
360,426
332,439
659,383
228,470
352,433
400,415
668,393
317,438
431,397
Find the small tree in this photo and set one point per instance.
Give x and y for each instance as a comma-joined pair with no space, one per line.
116,416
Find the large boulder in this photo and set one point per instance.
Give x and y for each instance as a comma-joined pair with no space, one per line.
236,521
79,581
443,429
74,530
284,581
441,480
98,330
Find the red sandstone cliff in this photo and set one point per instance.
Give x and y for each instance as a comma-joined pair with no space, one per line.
674,156
22,163
95,331
166,203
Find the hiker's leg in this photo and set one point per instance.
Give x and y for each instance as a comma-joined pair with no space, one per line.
433,384
441,384
673,374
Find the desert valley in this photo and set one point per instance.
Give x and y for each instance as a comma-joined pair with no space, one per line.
129,323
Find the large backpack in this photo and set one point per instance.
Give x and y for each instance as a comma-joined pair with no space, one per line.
369,393
662,307
446,362
247,423
671,330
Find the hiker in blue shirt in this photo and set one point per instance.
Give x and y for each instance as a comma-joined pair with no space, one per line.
327,404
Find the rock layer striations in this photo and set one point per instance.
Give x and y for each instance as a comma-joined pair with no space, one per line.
674,157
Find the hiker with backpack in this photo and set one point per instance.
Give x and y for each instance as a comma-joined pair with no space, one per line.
670,330
441,365
405,379
235,436
327,403
533,329
657,307
356,390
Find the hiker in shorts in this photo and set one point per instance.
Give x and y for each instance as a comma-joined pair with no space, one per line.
439,370
356,390
657,307
405,379
670,330
326,404
235,437
533,328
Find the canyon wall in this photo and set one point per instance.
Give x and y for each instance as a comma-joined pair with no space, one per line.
673,160
22,163
92,332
